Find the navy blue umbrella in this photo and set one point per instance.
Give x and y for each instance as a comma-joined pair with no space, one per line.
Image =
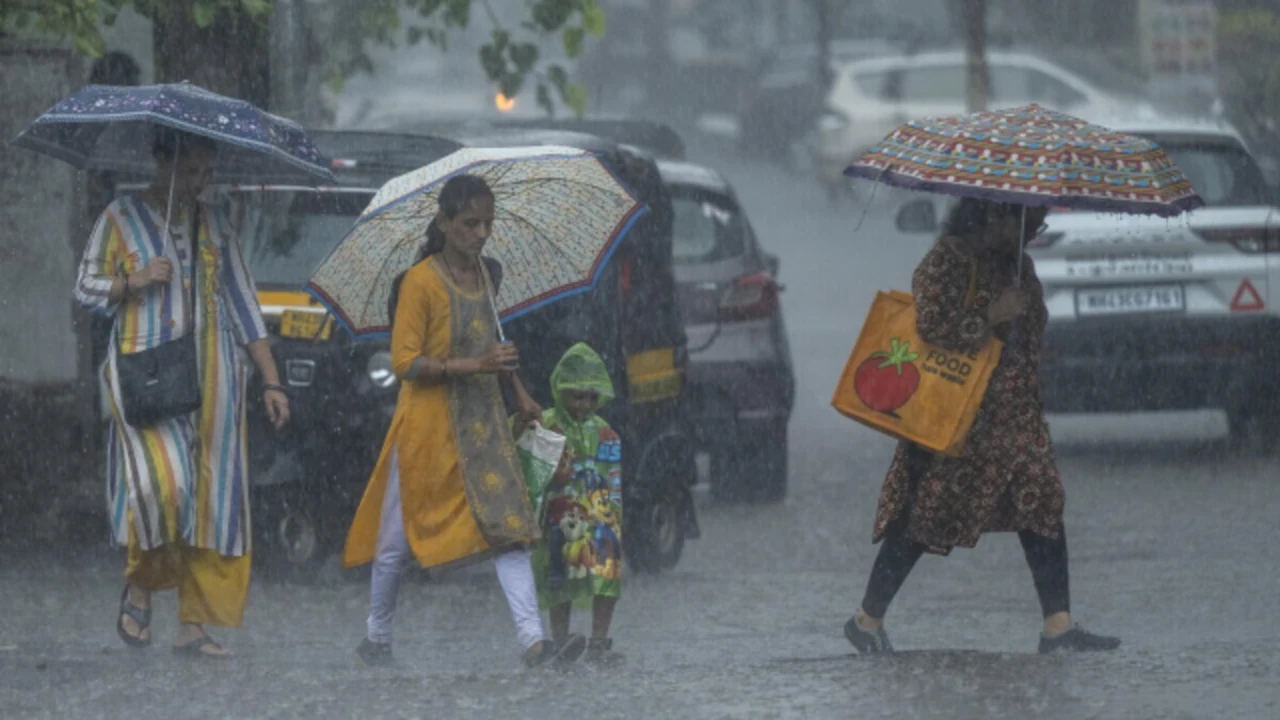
111,127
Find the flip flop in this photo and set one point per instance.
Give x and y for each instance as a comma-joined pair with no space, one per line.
195,649
139,616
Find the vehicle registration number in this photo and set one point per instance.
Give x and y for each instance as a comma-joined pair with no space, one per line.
1119,301
305,325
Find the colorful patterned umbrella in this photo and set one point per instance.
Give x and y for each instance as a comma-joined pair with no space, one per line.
560,213
1032,156
109,127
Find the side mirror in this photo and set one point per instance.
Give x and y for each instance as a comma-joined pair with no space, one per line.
918,216
772,264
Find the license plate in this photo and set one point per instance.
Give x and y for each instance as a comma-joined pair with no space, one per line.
1120,301
305,325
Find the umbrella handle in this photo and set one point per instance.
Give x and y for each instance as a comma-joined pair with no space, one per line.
493,301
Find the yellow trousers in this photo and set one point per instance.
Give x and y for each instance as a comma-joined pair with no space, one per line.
212,588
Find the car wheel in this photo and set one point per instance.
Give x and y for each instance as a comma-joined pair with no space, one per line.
654,523
295,545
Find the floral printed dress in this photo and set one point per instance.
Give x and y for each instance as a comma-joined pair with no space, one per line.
1007,479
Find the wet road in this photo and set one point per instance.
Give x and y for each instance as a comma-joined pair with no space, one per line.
1173,547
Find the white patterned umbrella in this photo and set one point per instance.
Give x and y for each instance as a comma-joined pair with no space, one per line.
559,215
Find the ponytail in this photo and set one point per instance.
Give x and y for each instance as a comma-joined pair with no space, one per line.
455,196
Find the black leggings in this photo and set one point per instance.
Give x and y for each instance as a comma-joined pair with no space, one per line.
898,555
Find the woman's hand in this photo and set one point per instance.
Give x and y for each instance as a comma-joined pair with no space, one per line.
277,405
502,357
1007,307
157,272
564,471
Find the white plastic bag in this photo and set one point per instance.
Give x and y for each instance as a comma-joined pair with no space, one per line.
539,450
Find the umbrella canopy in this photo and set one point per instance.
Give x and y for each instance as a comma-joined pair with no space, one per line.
559,215
109,127
1032,156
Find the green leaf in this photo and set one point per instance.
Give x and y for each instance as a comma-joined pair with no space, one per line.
551,15
90,43
573,37
524,55
576,99
592,17
492,61
414,34
510,84
257,8
458,13
203,13
559,78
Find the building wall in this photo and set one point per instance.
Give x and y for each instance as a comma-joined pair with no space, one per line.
39,209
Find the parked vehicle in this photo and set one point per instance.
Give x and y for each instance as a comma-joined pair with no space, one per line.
869,98
778,106
1155,314
741,382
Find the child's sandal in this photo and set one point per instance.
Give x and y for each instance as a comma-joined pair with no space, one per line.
600,653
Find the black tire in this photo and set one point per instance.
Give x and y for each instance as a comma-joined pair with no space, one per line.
655,518
293,545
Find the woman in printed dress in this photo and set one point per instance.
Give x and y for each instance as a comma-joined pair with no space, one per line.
579,560
448,490
1007,479
179,490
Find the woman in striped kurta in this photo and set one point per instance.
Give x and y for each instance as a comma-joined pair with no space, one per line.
178,491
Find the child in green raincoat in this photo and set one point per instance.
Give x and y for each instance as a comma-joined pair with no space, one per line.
579,559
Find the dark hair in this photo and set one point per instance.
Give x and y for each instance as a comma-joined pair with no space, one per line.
167,141
115,68
968,219
456,195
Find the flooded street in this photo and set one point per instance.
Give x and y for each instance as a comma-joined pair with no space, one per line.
1172,547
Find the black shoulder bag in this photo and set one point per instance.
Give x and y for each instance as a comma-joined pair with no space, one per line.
164,382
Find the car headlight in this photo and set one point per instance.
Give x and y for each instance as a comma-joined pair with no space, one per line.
380,371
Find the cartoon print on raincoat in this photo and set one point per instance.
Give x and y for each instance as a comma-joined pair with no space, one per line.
580,556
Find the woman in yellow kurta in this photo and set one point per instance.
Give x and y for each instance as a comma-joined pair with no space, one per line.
448,489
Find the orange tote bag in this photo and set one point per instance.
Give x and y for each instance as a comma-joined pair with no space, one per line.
904,387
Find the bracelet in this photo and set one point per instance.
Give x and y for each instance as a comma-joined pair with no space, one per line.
268,387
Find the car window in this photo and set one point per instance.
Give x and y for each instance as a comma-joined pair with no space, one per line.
1045,88
707,228
1009,84
286,234
934,85
872,83
1223,174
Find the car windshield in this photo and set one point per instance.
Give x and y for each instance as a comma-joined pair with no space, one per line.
287,233
707,228
1223,173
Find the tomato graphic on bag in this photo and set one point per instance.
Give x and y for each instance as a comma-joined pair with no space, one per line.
885,381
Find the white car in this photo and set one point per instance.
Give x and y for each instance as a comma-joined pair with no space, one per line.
869,98
1148,313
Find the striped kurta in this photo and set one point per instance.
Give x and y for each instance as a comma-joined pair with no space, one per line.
185,479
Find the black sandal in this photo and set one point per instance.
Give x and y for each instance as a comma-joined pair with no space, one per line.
141,617
196,647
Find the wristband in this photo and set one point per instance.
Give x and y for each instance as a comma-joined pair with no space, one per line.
267,387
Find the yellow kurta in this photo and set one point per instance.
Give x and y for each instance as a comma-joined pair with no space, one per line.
439,522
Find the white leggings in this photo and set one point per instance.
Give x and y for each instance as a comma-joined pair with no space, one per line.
515,573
